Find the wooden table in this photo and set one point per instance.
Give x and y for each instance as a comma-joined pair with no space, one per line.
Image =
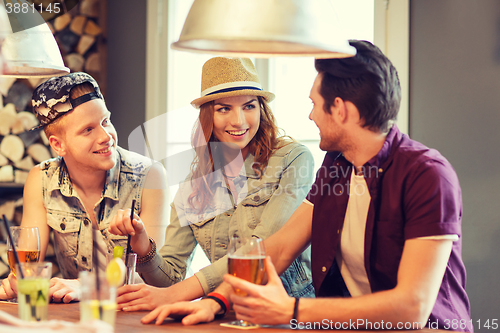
130,322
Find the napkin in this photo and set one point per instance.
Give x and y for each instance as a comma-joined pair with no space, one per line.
11,324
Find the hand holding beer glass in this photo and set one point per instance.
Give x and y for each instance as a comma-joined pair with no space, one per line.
246,261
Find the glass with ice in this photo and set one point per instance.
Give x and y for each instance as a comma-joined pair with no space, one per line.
33,290
98,301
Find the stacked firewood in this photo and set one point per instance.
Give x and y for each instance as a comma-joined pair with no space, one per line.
20,146
80,35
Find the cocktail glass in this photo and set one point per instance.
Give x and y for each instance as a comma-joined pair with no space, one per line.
33,290
98,301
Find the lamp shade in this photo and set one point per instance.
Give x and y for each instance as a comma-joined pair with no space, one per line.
31,52
263,28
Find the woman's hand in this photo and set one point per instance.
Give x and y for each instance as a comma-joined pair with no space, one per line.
121,225
136,297
268,304
192,312
64,290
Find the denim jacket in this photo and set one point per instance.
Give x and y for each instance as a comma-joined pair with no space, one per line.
66,214
261,207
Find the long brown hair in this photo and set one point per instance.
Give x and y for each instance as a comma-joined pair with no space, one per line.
262,146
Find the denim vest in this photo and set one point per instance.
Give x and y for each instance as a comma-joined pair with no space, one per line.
66,214
262,205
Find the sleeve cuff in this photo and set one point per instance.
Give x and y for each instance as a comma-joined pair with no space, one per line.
210,277
151,265
424,229
453,237
203,281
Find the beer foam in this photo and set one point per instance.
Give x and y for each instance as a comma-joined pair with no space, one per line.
247,257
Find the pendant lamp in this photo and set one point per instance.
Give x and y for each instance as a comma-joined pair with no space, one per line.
29,48
263,28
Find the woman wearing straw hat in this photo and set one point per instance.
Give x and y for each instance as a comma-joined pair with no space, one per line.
245,180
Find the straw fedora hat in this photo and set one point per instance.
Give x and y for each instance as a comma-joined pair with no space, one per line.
226,77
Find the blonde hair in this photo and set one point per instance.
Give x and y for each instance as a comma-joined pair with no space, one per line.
57,126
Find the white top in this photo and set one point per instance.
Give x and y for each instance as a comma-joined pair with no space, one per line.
351,253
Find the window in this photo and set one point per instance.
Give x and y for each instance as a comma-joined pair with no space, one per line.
289,78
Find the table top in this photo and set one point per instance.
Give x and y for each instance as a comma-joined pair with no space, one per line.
131,321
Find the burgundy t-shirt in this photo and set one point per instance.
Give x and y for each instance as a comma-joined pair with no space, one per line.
414,193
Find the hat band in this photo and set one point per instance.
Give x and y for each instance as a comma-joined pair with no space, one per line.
231,85
233,89
84,99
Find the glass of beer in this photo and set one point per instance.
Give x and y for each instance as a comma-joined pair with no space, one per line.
246,261
27,243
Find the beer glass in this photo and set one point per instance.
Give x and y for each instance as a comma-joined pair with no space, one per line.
246,261
27,243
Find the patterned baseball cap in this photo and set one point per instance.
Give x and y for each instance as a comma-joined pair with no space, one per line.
51,99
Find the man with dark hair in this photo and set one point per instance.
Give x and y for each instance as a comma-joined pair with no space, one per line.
383,219
368,80
91,184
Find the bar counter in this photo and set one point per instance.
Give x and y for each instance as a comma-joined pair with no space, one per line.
128,322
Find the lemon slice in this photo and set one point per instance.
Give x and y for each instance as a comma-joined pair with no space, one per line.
118,251
32,286
115,272
94,307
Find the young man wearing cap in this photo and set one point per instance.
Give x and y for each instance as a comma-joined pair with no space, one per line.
383,219
90,185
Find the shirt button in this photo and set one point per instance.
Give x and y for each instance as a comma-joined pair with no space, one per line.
86,222
84,259
380,170
62,225
338,231
256,198
323,269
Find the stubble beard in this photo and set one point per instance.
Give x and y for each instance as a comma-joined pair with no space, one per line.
332,142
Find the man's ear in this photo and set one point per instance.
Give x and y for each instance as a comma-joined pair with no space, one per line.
58,145
338,109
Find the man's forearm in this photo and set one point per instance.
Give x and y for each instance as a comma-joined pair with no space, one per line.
383,308
186,290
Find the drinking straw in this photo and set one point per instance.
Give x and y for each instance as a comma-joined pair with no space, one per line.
20,270
129,249
6,222
95,263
